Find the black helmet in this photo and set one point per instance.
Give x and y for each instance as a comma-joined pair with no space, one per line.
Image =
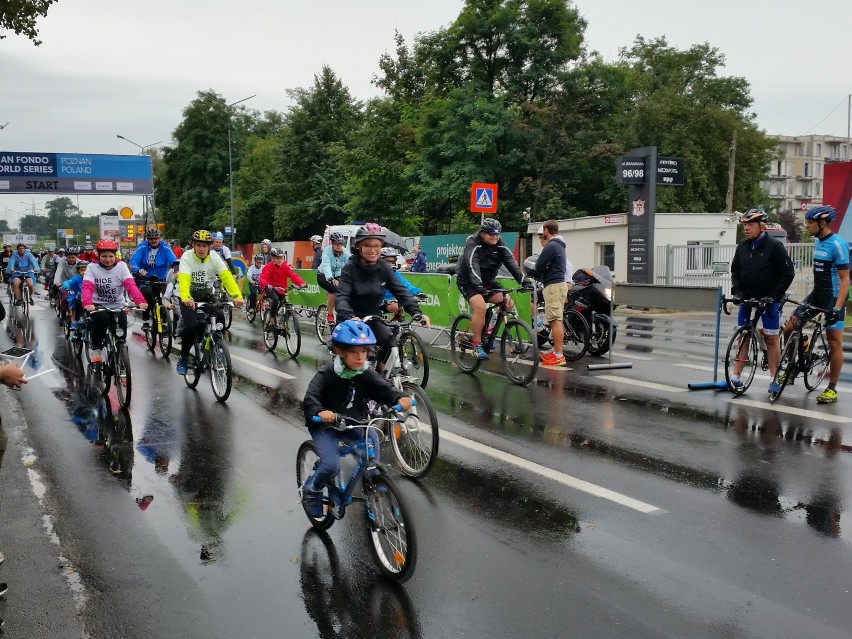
370,231
754,215
152,233
491,226
71,250
336,238
825,213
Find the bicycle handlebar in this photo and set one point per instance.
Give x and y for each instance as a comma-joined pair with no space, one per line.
341,422
736,301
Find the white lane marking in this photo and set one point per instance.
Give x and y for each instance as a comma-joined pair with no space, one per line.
792,410
266,369
697,367
49,370
639,382
549,473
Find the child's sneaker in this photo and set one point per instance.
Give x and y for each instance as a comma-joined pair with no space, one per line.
481,353
736,382
312,503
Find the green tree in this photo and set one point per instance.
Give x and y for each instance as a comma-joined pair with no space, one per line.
254,188
20,17
317,133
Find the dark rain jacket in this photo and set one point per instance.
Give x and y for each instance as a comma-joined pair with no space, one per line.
480,263
761,268
361,288
329,391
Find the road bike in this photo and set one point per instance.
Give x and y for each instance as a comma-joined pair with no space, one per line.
285,323
159,328
414,442
518,343
390,527
747,347
209,351
115,365
809,356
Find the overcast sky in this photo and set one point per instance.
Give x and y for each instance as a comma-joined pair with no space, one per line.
109,67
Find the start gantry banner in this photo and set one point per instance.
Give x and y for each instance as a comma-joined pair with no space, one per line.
75,173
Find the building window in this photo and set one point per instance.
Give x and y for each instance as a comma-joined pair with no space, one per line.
800,149
817,188
819,150
607,255
807,168
779,168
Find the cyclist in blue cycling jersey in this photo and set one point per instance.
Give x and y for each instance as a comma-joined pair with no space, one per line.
831,285
152,259
22,265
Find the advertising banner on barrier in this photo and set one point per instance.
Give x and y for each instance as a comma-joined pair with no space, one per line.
436,288
313,295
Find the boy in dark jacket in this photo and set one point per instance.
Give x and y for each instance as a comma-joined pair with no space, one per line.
344,387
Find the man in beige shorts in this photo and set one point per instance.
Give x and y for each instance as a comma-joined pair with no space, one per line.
550,266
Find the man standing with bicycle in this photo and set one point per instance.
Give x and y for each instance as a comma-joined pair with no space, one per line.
484,254
831,285
761,269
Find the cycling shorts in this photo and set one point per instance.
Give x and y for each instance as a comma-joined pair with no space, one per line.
468,291
770,319
30,276
808,313
325,283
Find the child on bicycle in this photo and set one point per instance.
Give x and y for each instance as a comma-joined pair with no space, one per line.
253,277
275,275
74,289
104,284
390,255
343,387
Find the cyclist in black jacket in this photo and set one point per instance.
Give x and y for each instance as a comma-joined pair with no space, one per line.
363,282
762,269
484,254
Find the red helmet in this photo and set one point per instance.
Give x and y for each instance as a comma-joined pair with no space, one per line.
106,245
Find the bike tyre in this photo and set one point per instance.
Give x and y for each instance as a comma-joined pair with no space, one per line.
818,358
414,359
165,336
599,334
521,364
306,462
734,347
194,367
292,334
393,542
121,369
461,350
270,333
415,444
576,340
786,364
221,372
321,324
228,312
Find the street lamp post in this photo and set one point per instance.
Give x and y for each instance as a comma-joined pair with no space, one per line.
142,152
231,170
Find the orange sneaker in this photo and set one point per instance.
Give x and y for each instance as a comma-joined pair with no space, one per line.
558,361
548,359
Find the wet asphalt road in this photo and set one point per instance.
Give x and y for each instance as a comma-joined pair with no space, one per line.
605,504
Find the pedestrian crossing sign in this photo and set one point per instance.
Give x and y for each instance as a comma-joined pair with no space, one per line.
483,198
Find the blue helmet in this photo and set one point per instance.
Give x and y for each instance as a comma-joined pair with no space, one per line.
352,333
218,236
825,213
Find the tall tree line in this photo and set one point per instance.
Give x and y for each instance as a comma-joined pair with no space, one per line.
507,93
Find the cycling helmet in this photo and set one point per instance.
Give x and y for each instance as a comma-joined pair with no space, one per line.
491,226
218,235
276,252
71,250
89,247
316,239
106,245
81,264
258,258
267,242
370,231
754,215
336,238
174,243
824,213
202,235
389,251
152,233
352,333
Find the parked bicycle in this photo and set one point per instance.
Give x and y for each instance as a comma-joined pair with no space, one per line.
809,356
116,359
285,323
518,343
159,329
209,352
746,346
390,527
415,441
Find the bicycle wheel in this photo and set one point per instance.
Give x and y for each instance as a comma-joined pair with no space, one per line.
742,351
413,357
393,543
251,312
66,326
228,312
786,367
292,333
307,460
77,339
818,359
270,332
151,332
121,371
576,340
194,367
321,324
461,344
165,335
415,442
25,296
519,352
221,372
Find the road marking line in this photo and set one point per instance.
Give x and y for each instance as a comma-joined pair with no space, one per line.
792,410
267,369
765,378
639,382
549,473
629,355
49,370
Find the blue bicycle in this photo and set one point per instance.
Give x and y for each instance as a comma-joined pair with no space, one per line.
389,524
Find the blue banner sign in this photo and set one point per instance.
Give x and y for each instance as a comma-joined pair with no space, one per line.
76,173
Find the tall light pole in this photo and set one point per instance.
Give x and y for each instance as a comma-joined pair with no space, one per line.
231,169
142,152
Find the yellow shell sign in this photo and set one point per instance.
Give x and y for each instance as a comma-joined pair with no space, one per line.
126,213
